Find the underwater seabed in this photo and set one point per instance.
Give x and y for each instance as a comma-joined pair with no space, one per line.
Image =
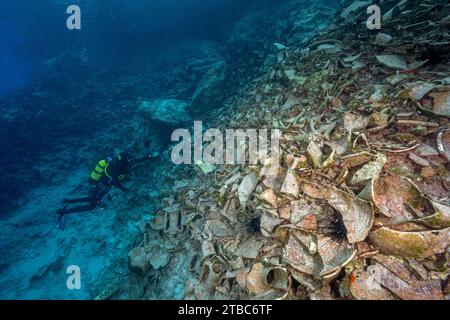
357,208
36,254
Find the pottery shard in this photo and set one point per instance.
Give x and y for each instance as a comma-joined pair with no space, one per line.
383,38
311,283
250,248
291,184
280,46
393,61
216,228
378,119
355,6
159,259
370,170
396,78
334,255
406,269
157,223
272,174
315,153
357,214
418,160
208,248
364,286
441,103
420,90
396,197
138,260
284,212
255,280
315,190
246,188
241,277
409,288
269,197
303,208
269,222
308,223
442,216
425,150
299,257
355,122
418,245
357,159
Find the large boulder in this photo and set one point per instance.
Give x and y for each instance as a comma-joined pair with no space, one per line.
61,73
142,136
138,261
210,91
171,112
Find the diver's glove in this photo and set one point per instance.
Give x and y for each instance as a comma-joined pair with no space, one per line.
154,155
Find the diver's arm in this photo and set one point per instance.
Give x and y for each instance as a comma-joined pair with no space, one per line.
147,157
140,160
119,185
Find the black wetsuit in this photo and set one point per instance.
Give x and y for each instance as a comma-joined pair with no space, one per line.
116,168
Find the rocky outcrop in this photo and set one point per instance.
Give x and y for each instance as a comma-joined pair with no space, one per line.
68,70
210,91
171,112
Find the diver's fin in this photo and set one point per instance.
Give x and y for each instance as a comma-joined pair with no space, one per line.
60,218
61,222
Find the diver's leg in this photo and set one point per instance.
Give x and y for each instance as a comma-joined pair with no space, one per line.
102,193
91,206
92,194
78,200
93,201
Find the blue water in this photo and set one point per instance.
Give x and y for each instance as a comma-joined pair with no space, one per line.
68,99
15,70
31,32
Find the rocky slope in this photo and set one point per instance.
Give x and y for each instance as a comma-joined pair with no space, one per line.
358,208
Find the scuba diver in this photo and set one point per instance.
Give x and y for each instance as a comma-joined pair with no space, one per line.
107,174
